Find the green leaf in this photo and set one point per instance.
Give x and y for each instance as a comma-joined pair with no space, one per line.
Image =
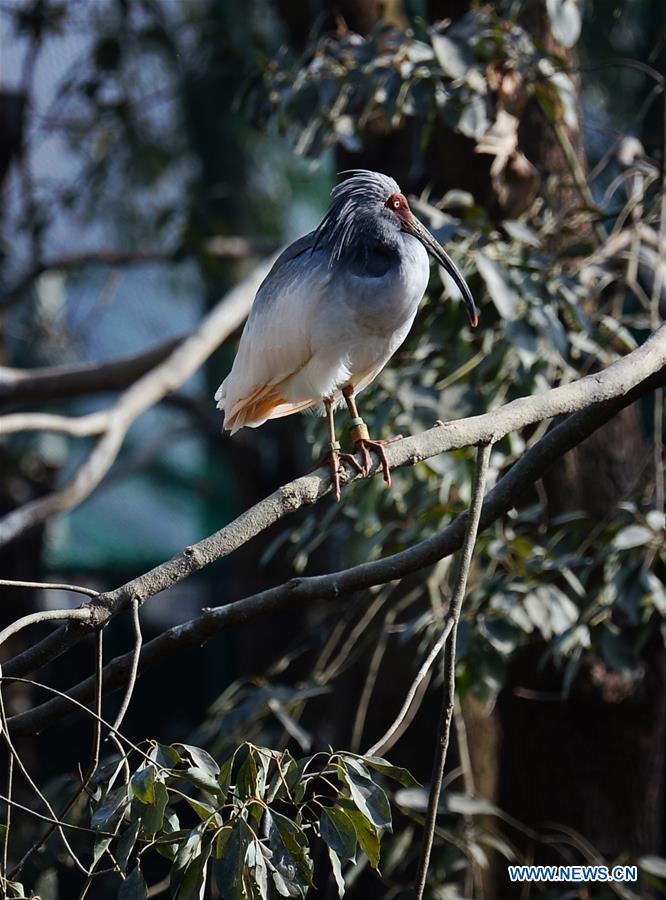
125,845
474,121
100,848
193,884
278,787
258,867
565,21
246,782
202,760
468,805
224,776
152,815
551,611
110,809
499,288
201,778
165,757
290,854
205,811
337,871
134,886
366,833
294,777
367,796
455,57
654,865
632,536
229,870
397,773
221,840
337,829
170,826
190,848
567,96
143,784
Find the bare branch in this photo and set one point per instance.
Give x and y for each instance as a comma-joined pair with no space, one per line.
396,729
75,426
634,375
70,701
19,762
444,730
83,614
134,668
49,586
94,759
224,247
180,365
55,382
8,817
532,465
43,818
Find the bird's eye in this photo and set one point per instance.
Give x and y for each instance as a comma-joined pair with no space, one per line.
396,204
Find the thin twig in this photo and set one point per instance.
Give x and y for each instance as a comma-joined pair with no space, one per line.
371,680
56,822
82,614
69,700
444,729
94,757
13,752
134,667
8,818
48,586
579,177
388,739
99,693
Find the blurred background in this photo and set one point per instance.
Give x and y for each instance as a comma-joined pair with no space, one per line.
152,153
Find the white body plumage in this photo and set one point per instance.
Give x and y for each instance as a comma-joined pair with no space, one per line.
335,306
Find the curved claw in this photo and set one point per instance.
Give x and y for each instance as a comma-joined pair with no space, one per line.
332,459
366,447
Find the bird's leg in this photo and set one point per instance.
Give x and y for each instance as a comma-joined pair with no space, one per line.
361,437
334,456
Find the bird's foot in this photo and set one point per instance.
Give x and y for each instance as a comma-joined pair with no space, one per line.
332,459
366,446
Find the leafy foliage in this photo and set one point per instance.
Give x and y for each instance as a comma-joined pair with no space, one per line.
254,822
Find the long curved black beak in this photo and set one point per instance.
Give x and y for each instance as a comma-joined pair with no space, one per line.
437,252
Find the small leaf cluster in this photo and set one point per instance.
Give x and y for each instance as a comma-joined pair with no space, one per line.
253,822
346,83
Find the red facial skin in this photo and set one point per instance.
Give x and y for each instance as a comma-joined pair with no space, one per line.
398,205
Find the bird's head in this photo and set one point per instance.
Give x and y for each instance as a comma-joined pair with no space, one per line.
368,196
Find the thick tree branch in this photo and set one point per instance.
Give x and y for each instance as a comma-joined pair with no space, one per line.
166,377
618,380
55,382
532,465
224,247
74,426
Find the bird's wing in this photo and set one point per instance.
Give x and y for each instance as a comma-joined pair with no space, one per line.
276,340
